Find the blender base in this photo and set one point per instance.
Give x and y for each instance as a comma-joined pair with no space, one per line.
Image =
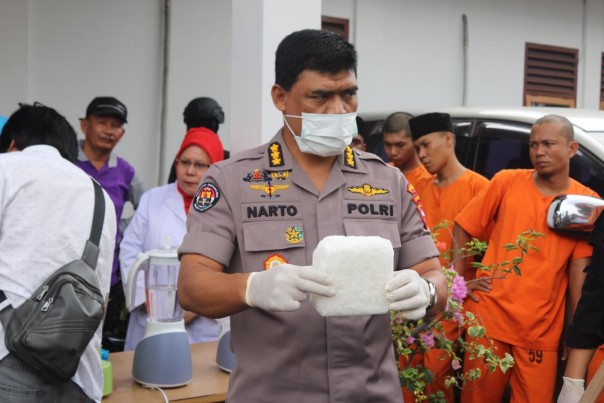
163,360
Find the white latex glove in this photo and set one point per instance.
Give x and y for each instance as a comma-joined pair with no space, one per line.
408,293
572,390
282,287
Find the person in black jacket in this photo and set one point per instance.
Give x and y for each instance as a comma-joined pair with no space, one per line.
586,332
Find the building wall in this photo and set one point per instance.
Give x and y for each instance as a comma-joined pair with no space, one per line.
412,53
65,52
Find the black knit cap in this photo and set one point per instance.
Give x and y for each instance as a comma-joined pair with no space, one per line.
430,123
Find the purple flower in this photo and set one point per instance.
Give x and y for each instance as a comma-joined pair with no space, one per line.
458,317
455,364
410,340
427,339
458,289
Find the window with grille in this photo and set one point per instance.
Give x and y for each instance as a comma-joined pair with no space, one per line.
550,75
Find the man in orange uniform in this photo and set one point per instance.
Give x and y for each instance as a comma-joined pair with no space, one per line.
447,191
399,147
451,186
524,315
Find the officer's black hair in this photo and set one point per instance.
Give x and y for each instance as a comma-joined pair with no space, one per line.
312,49
38,124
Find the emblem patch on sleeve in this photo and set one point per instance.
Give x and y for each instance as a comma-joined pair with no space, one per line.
206,197
418,203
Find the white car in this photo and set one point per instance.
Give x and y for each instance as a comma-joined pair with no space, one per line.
491,139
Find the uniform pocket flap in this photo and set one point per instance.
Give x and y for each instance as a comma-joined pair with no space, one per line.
385,229
273,235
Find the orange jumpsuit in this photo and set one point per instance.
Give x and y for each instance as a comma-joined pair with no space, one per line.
523,315
420,178
594,365
444,204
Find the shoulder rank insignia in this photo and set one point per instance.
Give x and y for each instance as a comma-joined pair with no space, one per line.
276,155
418,203
257,176
206,197
349,158
269,190
367,190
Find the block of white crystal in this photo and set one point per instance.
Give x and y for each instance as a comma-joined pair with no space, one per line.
360,266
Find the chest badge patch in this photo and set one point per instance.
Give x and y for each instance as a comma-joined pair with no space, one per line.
269,190
276,155
418,203
274,260
257,176
367,190
294,235
280,175
206,197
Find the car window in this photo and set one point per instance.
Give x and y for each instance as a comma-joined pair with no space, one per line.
587,170
372,131
501,146
463,142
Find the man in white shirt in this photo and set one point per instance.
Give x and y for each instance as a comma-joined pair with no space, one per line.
46,209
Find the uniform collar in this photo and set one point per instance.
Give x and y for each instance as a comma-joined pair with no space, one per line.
42,149
111,163
276,155
278,158
349,161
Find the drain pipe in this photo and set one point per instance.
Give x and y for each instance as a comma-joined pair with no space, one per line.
583,56
163,134
464,96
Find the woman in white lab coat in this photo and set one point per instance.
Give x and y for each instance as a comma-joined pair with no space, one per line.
161,213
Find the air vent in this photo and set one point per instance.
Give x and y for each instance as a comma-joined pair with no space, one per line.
550,74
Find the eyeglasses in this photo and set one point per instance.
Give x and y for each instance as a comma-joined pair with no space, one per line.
198,166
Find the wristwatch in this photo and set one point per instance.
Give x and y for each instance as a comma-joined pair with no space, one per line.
433,295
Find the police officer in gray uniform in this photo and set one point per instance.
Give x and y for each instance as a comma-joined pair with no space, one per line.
257,218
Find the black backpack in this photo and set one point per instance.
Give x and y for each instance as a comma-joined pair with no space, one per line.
51,329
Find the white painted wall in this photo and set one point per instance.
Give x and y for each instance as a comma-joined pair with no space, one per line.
411,53
65,52
199,65
258,27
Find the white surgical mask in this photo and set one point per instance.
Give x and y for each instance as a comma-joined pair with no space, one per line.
324,134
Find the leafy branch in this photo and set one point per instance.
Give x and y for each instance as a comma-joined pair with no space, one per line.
415,337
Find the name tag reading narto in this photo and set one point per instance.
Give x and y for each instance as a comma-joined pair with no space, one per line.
360,267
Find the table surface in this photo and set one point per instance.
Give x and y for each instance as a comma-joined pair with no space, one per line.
209,382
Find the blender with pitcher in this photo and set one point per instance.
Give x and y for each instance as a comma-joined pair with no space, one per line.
163,357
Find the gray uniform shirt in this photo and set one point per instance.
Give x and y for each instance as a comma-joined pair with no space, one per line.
258,207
